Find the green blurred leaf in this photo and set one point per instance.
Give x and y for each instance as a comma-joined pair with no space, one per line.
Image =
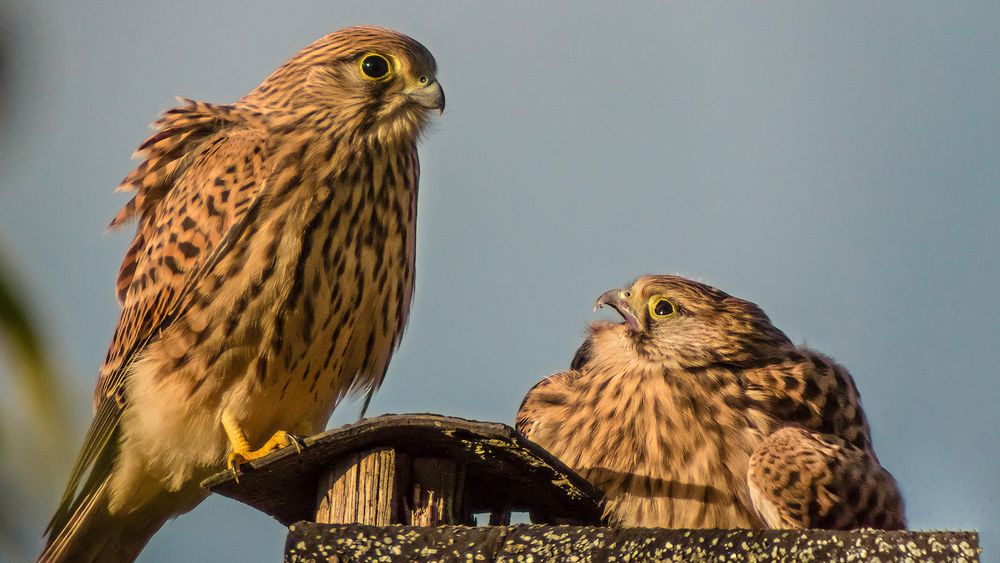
32,371
34,434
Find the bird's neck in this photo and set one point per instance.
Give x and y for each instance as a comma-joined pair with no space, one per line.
331,143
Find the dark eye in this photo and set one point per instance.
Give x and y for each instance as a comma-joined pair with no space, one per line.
661,307
375,66
664,308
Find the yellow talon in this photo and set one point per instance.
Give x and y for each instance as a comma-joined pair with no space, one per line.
278,441
241,447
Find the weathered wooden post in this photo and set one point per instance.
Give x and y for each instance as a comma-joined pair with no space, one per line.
384,486
420,469
406,487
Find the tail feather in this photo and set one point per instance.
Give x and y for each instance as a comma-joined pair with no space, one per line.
66,545
83,524
94,535
95,467
86,529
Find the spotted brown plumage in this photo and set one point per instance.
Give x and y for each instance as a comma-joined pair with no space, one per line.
271,274
696,412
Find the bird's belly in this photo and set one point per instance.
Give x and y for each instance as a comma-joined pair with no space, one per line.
339,326
693,487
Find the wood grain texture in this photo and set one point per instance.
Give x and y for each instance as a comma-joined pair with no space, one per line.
363,488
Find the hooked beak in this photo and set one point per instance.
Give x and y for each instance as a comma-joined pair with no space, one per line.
429,96
616,300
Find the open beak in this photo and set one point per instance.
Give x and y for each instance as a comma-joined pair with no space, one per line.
616,300
430,96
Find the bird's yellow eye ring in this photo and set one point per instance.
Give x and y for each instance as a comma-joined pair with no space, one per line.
375,67
660,307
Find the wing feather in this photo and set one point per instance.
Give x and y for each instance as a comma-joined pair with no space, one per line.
197,189
542,402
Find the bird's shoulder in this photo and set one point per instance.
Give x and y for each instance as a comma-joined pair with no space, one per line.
552,392
583,354
806,388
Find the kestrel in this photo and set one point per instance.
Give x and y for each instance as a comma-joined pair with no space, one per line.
696,412
270,275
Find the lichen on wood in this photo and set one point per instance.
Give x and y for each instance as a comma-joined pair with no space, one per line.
310,542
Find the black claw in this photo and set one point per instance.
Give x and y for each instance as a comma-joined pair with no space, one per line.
296,441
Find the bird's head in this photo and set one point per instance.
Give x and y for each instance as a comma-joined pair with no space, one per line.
369,80
677,320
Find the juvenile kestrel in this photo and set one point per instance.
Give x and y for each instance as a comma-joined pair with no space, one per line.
696,412
270,275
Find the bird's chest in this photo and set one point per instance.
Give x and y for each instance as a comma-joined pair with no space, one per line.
672,446
679,425
348,288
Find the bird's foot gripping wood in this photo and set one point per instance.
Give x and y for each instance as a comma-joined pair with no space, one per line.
241,447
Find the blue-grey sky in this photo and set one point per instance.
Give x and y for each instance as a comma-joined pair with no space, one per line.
836,163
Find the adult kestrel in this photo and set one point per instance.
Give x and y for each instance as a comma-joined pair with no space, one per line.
271,274
696,412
